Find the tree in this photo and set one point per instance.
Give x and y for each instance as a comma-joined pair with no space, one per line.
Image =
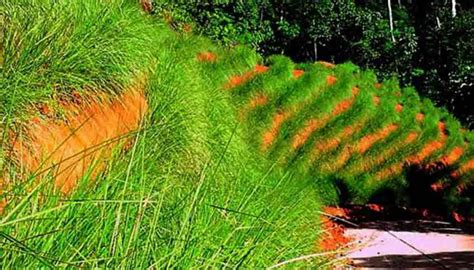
428,44
389,3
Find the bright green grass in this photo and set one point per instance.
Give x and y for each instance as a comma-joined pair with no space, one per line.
189,194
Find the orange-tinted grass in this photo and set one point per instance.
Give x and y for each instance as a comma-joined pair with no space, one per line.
326,64
430,148
270,135
468,166
334,238
261,68
314,124
237,80
327,145
87,137
460,188
330,144
463,169
339,162
399,107
367,141
437,187
378,85
355,91
206,57
411,137
342,106
416,158
395,169
331,80
187,28
311,126
388,152
44,109
376,100
420,117
453,156
257,101
298,73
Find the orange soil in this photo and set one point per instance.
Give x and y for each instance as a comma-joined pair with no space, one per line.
298,73
337,212
378,85
270,136
367,141
375,207
334,238
206,57
79,144
237,80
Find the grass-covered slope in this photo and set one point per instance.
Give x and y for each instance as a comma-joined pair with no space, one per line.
189,193
370,138
233,159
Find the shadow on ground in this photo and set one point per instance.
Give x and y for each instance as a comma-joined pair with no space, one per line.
446,260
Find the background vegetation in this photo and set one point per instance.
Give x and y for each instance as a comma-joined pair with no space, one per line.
428,47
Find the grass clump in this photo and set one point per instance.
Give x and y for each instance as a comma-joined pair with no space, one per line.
190,192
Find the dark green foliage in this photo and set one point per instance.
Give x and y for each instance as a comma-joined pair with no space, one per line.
430,49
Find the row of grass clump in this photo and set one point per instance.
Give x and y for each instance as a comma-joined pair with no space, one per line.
190,192
339,123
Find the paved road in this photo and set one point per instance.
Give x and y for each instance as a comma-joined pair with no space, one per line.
411,244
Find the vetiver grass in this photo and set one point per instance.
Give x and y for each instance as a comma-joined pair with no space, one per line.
189,193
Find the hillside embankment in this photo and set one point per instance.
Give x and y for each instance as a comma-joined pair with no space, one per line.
214,157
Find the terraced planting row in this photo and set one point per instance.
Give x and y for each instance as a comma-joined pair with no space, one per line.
337,121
